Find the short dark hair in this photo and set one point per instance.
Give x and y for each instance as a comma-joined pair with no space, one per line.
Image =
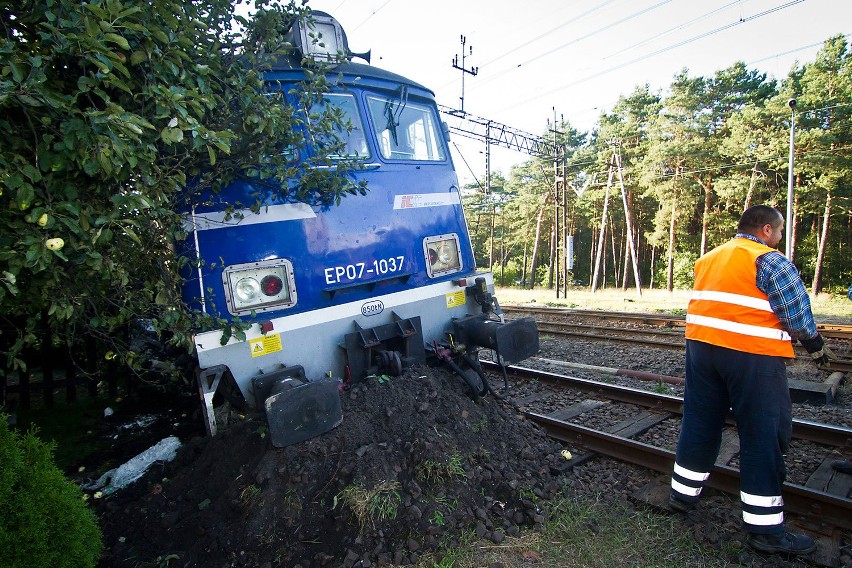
754,218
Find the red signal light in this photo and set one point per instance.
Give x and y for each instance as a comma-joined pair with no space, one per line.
271,285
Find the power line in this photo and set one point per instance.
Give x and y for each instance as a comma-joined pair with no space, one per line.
557,28
538,37
476,179
750,164
748,64
662,50
373,13
842,127
789,51
573,41
674,29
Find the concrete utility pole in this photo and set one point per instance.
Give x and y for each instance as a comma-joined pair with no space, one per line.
472,71
558,207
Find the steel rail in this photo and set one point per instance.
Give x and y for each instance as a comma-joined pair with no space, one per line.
817,506
662,320
556,328
834,331
827,434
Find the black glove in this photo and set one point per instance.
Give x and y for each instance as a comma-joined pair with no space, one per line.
820,353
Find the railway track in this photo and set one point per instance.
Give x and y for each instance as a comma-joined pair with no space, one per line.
828,330
561,322
642,431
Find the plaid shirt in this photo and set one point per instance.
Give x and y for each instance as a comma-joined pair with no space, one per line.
779,279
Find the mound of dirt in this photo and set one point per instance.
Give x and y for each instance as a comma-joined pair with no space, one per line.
415,464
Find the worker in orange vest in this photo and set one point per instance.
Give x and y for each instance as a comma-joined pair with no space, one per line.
747,307
844,466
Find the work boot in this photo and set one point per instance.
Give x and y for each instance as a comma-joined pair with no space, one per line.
680,505
786,543
843,466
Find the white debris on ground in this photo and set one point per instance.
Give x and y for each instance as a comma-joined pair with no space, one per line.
125,474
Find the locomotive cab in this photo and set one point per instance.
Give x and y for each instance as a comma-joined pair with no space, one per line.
332,294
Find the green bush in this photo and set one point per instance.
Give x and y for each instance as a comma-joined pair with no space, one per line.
44,521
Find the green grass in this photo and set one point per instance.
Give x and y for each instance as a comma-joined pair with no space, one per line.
378,503
589,533
434,471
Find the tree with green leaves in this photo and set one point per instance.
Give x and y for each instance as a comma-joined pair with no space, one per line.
114,114
693,161
44,521
625,131
825,122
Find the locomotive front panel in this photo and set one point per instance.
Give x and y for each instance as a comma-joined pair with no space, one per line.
338,293
307,276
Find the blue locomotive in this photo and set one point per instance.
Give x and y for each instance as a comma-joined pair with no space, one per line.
339,293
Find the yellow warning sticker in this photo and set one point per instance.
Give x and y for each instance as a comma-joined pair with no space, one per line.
455,299
265,345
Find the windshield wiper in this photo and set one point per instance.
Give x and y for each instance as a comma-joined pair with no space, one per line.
392,113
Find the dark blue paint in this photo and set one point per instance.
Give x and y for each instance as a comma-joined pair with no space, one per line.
362,229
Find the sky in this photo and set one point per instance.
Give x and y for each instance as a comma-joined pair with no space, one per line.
571,60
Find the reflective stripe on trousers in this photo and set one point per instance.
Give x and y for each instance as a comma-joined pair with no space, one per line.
762,511
754,387
687,484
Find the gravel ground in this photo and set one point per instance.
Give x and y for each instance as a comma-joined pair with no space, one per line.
450,465
716,520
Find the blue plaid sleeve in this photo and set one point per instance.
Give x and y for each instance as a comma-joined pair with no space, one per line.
778,278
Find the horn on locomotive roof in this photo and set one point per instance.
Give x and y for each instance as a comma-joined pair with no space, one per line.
321,37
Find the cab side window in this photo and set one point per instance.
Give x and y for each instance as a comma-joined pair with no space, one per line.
405,130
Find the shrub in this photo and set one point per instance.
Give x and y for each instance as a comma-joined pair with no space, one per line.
44,521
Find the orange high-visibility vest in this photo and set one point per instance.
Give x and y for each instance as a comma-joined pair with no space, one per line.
728,309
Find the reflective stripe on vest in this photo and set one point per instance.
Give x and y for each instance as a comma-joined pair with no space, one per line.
728,309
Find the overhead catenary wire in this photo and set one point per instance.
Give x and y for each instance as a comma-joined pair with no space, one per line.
671,30
576,40
660,51
373,13
541,36
476,179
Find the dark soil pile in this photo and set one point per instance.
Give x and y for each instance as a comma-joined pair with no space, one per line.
415,464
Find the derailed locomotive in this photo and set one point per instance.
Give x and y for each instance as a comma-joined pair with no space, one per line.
333,294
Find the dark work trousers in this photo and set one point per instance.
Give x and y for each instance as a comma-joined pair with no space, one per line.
755,388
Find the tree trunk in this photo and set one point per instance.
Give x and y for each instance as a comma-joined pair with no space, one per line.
653,266
816,286
670,269
751,186
615,256
705,220
535,246
552,265
601,243
794,234
491,239
625,268
629,244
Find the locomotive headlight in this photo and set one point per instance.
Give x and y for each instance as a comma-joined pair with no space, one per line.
443,254
259,286
246,290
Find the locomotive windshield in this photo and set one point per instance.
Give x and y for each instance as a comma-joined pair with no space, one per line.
352,133
405,130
